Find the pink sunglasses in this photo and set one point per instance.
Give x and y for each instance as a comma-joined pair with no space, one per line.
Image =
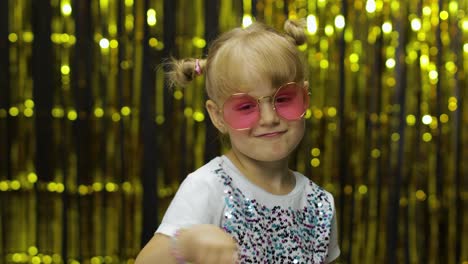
242,111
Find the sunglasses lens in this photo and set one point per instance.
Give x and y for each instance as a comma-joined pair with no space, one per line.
241,111
291,101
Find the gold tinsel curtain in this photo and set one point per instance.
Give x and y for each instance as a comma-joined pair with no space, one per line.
93,145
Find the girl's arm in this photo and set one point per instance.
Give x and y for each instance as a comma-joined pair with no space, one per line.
207,244
158,249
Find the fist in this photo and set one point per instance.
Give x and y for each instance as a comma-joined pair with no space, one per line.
206,244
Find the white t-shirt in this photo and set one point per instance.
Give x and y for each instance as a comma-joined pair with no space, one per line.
298,227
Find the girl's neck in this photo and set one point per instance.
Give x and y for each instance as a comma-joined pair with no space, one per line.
274,177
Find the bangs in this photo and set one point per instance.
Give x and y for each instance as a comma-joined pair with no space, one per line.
252,58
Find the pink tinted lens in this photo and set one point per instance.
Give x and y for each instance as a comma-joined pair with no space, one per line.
241,111
291,101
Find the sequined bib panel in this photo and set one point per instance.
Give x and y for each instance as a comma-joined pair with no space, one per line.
277,235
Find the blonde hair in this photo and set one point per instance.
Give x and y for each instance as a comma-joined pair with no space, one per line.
244,56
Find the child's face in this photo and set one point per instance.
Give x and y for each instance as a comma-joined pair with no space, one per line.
271,138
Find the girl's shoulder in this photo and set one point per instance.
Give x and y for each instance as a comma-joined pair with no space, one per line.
207,171
311,185
317,193
205,176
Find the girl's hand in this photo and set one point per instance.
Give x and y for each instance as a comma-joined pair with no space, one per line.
206,244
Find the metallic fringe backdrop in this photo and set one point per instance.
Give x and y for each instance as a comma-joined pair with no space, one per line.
93,145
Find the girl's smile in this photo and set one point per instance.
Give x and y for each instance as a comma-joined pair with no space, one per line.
271,134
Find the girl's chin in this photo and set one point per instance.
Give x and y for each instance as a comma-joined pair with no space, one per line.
270,156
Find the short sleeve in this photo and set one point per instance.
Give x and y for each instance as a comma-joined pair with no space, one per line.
333,247
197,201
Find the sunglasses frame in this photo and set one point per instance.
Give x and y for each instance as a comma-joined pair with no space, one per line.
258,100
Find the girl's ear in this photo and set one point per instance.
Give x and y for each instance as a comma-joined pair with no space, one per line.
215,116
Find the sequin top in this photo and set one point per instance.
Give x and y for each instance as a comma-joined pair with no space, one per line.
295,228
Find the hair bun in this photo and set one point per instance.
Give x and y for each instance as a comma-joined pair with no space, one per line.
296,30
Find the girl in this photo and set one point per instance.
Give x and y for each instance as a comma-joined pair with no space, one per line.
247,206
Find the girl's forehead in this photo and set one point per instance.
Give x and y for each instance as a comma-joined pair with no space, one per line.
255,88
261,90
261,87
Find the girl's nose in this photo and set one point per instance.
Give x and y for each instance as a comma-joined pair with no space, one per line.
268,115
